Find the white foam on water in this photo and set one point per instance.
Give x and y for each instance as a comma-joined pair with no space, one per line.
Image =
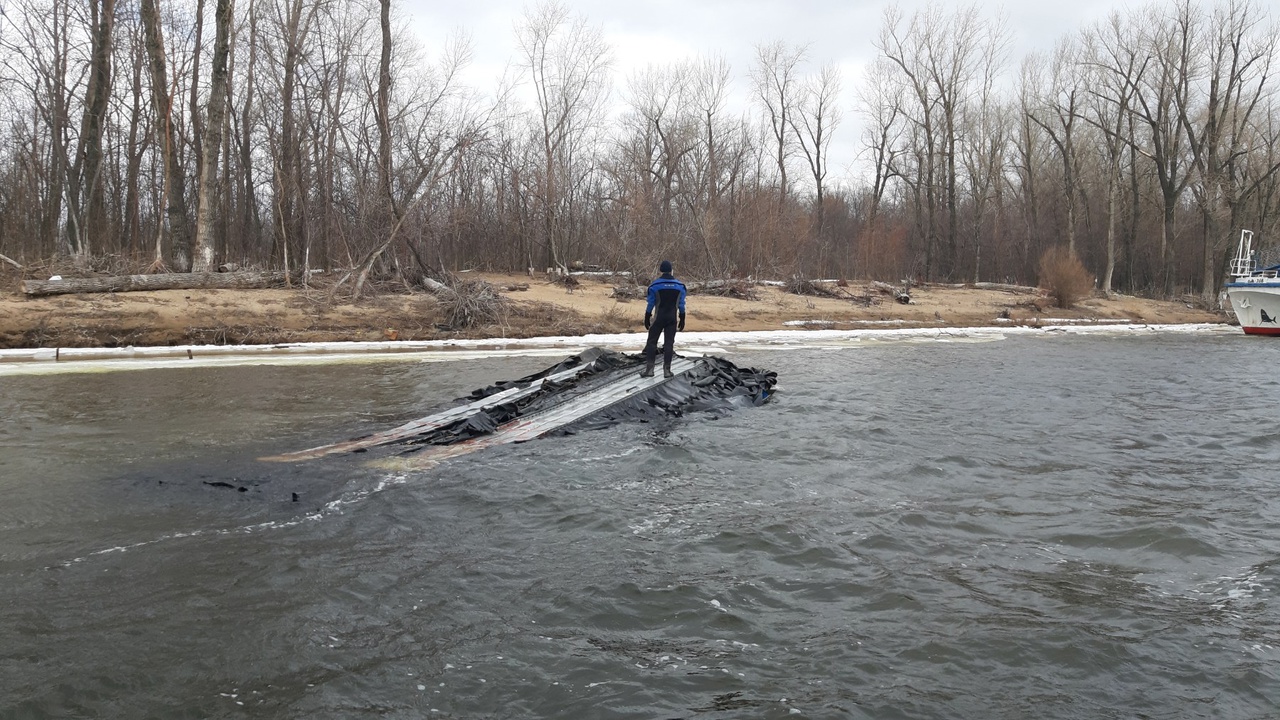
333,507
597,458
1228,592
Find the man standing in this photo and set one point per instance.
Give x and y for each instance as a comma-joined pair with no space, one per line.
667,294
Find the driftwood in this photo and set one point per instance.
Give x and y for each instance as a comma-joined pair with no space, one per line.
740,289
11,261
627,292
901,295
1005,287
163,281
435,287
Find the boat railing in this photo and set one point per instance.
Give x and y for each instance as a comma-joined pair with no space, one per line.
1244,262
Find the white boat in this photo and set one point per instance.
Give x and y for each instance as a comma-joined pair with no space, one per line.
1254,291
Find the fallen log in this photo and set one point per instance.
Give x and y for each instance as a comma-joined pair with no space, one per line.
11,261
732,288
1005,287
162,281
436,287
900,295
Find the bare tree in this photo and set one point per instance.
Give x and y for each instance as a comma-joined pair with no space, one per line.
1260,174
1112,66
1058,107
776,82
568,63
881,100
136,143
438,123
664,135
1161,91
987,127
814,121
1030,150
295,21
938,57
38,58
954,62
907,49
716,159
249,222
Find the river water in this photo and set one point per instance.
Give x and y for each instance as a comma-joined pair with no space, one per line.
1066,526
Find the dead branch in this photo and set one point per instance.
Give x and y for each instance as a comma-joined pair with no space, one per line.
469,303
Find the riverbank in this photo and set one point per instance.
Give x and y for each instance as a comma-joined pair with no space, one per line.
536,308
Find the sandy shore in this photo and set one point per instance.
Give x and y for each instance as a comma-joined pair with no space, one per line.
238,317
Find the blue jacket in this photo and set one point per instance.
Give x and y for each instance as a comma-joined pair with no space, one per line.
667,294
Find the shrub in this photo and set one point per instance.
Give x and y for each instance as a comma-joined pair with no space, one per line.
1064,277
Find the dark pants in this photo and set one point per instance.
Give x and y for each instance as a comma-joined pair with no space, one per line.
667,328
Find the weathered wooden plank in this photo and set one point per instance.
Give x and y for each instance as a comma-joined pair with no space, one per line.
163,281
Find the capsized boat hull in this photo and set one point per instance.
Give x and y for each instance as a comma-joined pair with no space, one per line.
594,389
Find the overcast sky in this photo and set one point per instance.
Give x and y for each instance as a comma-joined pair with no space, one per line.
661,31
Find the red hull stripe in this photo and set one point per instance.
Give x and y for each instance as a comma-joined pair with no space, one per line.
1262,331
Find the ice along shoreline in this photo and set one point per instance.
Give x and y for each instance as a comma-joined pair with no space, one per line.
22,361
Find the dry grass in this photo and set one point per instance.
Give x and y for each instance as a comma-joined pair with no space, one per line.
1064,277
539,318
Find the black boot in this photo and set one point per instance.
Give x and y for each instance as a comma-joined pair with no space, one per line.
648,368
666,369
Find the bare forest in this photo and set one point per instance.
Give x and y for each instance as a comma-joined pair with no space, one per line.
304,135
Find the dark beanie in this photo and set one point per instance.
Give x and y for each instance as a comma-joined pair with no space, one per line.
664,266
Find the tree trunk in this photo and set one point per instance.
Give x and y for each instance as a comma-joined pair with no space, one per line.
250,222
197,127
1166,241
1212,238
1113,197
203,251
132,220
289,170
84,197
383,108
1135,209
162,101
